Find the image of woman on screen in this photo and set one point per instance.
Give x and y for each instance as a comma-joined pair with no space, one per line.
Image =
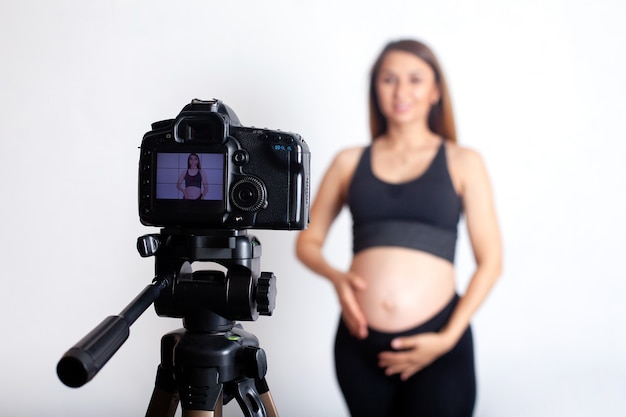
192,182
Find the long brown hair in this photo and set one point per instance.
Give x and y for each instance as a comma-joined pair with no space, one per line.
440,118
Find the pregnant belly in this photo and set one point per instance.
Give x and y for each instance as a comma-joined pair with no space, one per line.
192,193
405,287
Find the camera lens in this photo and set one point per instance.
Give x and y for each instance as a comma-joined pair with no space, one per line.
248,194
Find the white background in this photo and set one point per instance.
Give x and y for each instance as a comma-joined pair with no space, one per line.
538,88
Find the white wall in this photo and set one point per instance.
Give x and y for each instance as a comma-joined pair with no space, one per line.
538,89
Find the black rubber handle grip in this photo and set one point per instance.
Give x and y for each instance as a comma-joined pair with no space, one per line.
83,361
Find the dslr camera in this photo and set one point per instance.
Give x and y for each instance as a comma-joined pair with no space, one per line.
204,170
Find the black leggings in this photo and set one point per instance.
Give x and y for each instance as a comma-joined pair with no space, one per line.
446,388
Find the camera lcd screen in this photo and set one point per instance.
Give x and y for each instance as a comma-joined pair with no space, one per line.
190,176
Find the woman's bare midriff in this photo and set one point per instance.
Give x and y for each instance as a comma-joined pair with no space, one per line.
192,193
405,287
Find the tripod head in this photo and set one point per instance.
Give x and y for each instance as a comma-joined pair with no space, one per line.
243,293
207,300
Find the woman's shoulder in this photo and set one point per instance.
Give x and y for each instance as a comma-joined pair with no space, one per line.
348,158
344,164
466,166
353,152
462,156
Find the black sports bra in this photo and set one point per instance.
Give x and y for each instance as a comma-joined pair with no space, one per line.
193,180
421,214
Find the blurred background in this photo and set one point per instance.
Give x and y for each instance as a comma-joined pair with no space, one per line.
537,88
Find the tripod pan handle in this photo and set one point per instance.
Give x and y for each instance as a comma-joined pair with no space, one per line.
83,361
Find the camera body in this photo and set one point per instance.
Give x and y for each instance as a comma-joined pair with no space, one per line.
204,170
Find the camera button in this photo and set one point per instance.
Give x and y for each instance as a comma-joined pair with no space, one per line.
241,157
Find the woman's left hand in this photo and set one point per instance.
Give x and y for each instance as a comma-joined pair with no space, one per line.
413,353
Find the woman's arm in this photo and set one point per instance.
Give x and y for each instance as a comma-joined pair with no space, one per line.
484,234
329,201
179,183
205,185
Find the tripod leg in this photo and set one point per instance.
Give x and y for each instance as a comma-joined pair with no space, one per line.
254,398
165,397
162,403
270,407
266,397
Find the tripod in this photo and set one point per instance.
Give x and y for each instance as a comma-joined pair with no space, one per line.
212,359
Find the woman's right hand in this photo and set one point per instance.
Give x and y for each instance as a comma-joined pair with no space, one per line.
347,285
331,198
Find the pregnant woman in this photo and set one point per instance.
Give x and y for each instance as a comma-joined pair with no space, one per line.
192,182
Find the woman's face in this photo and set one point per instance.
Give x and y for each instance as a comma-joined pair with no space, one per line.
193,161
406,88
